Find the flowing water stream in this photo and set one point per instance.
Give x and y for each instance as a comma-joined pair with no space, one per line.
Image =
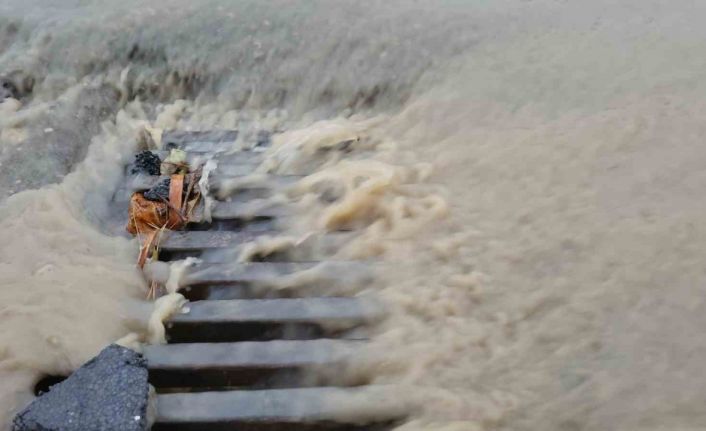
528,174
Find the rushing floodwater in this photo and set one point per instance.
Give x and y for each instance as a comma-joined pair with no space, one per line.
533,185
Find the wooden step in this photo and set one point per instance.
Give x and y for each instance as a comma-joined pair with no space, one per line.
179,241
234,169
243,273
269,319
235,291
253,291
225,247
275,279
243,187
280,363
238,210
308,409
270,273
144,182
202,141
255,186
252,158
211,140
237,163
208,246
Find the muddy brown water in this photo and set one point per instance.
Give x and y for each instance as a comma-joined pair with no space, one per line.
530,174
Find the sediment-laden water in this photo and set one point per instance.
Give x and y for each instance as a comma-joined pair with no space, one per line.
527,174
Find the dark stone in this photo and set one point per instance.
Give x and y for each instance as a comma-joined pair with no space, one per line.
108,393
7,89
146,162
264,139
159,192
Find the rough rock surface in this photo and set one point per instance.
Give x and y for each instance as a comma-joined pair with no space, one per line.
159,192
7,89
146,162
108,393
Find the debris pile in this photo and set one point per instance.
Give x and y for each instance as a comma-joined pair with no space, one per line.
168,204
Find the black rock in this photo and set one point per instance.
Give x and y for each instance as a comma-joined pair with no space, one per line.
146,162
159,192
108,393
264,139
7,89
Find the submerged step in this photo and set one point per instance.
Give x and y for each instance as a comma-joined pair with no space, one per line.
242,186
203,141
236,163
222,246
212,140
208,239
269,319
281,274
225,247
255,210
280,363
142,181
235,156
371,408
254,186
237,273
275,279
235,169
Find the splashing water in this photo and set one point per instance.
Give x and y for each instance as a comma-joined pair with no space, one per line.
527,173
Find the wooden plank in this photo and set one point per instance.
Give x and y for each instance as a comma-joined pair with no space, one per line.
203,244
249,158
268,273
307,409
280,363
202,141
200,240
269,319
212,140
239,210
